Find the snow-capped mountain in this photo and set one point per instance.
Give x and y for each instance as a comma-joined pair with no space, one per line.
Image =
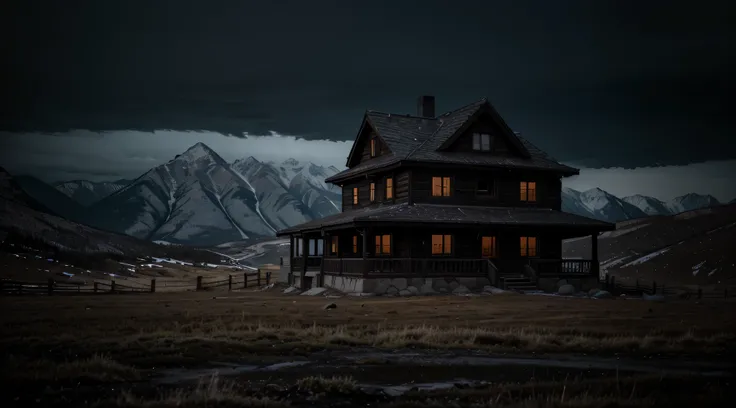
89,192
598,204
195,198
690,202
649,205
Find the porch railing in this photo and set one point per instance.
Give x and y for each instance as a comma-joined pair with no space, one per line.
312,262
406,266
564,267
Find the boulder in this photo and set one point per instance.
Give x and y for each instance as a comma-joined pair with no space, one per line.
460,290
467,282
399,283
452,285
416,282
392,291
427,288
443,290
405,292
329,306
561,282
602,294
438,284
413,290
382,286
592,292
566,290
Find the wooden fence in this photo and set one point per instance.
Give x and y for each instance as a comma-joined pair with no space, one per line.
56,287
643,287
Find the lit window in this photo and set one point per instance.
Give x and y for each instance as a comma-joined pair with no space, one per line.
355,244
333,247
373,147
528,246
488,245
481,142
440,186
528,191
373,192
383,244
389,188
355,195
441,244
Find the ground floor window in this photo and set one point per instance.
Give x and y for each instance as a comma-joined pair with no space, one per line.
298,246
383,244
528,246
316,247
441,244
333,244
488,247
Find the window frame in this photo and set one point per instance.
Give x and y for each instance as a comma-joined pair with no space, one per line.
389,188
493,249
355,244
479,137
450,183
524,191
373,147
334,245
356,194
372,190
524,250
444,239
379,243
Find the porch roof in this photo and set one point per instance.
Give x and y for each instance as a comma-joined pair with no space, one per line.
451,214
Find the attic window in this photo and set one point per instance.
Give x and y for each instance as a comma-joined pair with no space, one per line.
481,142
373,147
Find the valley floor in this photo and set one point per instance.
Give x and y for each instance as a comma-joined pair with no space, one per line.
276,350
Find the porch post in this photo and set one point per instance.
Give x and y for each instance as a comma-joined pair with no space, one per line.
305,254
595,266
290,275
365,251
326,240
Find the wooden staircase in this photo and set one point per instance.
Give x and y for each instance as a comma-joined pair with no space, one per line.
518,282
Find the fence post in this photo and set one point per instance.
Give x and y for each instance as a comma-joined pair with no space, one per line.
654,288
153,285
245,280
95,285
229,282
700,293
258,282
112,286
268,278
199,283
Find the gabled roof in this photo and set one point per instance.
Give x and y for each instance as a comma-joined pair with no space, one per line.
424,140
452,214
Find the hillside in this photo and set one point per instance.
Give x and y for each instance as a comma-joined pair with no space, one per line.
694,247
86,192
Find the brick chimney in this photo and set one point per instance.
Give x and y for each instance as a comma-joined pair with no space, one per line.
425,106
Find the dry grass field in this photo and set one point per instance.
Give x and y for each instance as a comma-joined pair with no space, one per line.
74,347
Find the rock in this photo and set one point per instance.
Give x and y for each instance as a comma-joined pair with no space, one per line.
592,292
413,290
291,289
416,282
438,284
452,285
405,292
427,288
467,282
603,294
314,292
382,286
561,282
329,306
399,283
443,290
566,290
392,291
460,289
481,282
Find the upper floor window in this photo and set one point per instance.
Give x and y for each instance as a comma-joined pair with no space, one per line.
374,147
485,188
528,191
355,244
389,188
355,195
481,142
383,244
488,247
333,244
373,192
440,186
528,246
441,244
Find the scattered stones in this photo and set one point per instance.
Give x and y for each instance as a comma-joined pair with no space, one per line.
566,290
329,306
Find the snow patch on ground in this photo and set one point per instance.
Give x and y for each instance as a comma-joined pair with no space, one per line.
620,232
697,267
646,258
172,261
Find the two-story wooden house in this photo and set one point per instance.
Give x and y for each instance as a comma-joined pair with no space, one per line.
430,203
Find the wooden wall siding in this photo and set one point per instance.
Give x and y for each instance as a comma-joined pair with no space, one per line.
363,148
505,183
500,146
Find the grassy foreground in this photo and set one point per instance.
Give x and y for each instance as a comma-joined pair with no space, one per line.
85,342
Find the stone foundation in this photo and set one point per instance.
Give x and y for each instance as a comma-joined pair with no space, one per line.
581,284
405,286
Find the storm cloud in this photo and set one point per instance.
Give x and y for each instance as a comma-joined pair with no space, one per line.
599,83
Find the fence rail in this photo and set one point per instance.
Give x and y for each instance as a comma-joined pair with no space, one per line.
56,287
643,287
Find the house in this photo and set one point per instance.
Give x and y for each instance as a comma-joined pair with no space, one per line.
431,203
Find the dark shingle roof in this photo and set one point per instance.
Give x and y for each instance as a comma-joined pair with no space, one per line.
452,214
416,139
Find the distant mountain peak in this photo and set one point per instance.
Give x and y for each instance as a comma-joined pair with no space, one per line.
291,162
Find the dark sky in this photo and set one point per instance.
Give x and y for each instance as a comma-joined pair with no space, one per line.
600,83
